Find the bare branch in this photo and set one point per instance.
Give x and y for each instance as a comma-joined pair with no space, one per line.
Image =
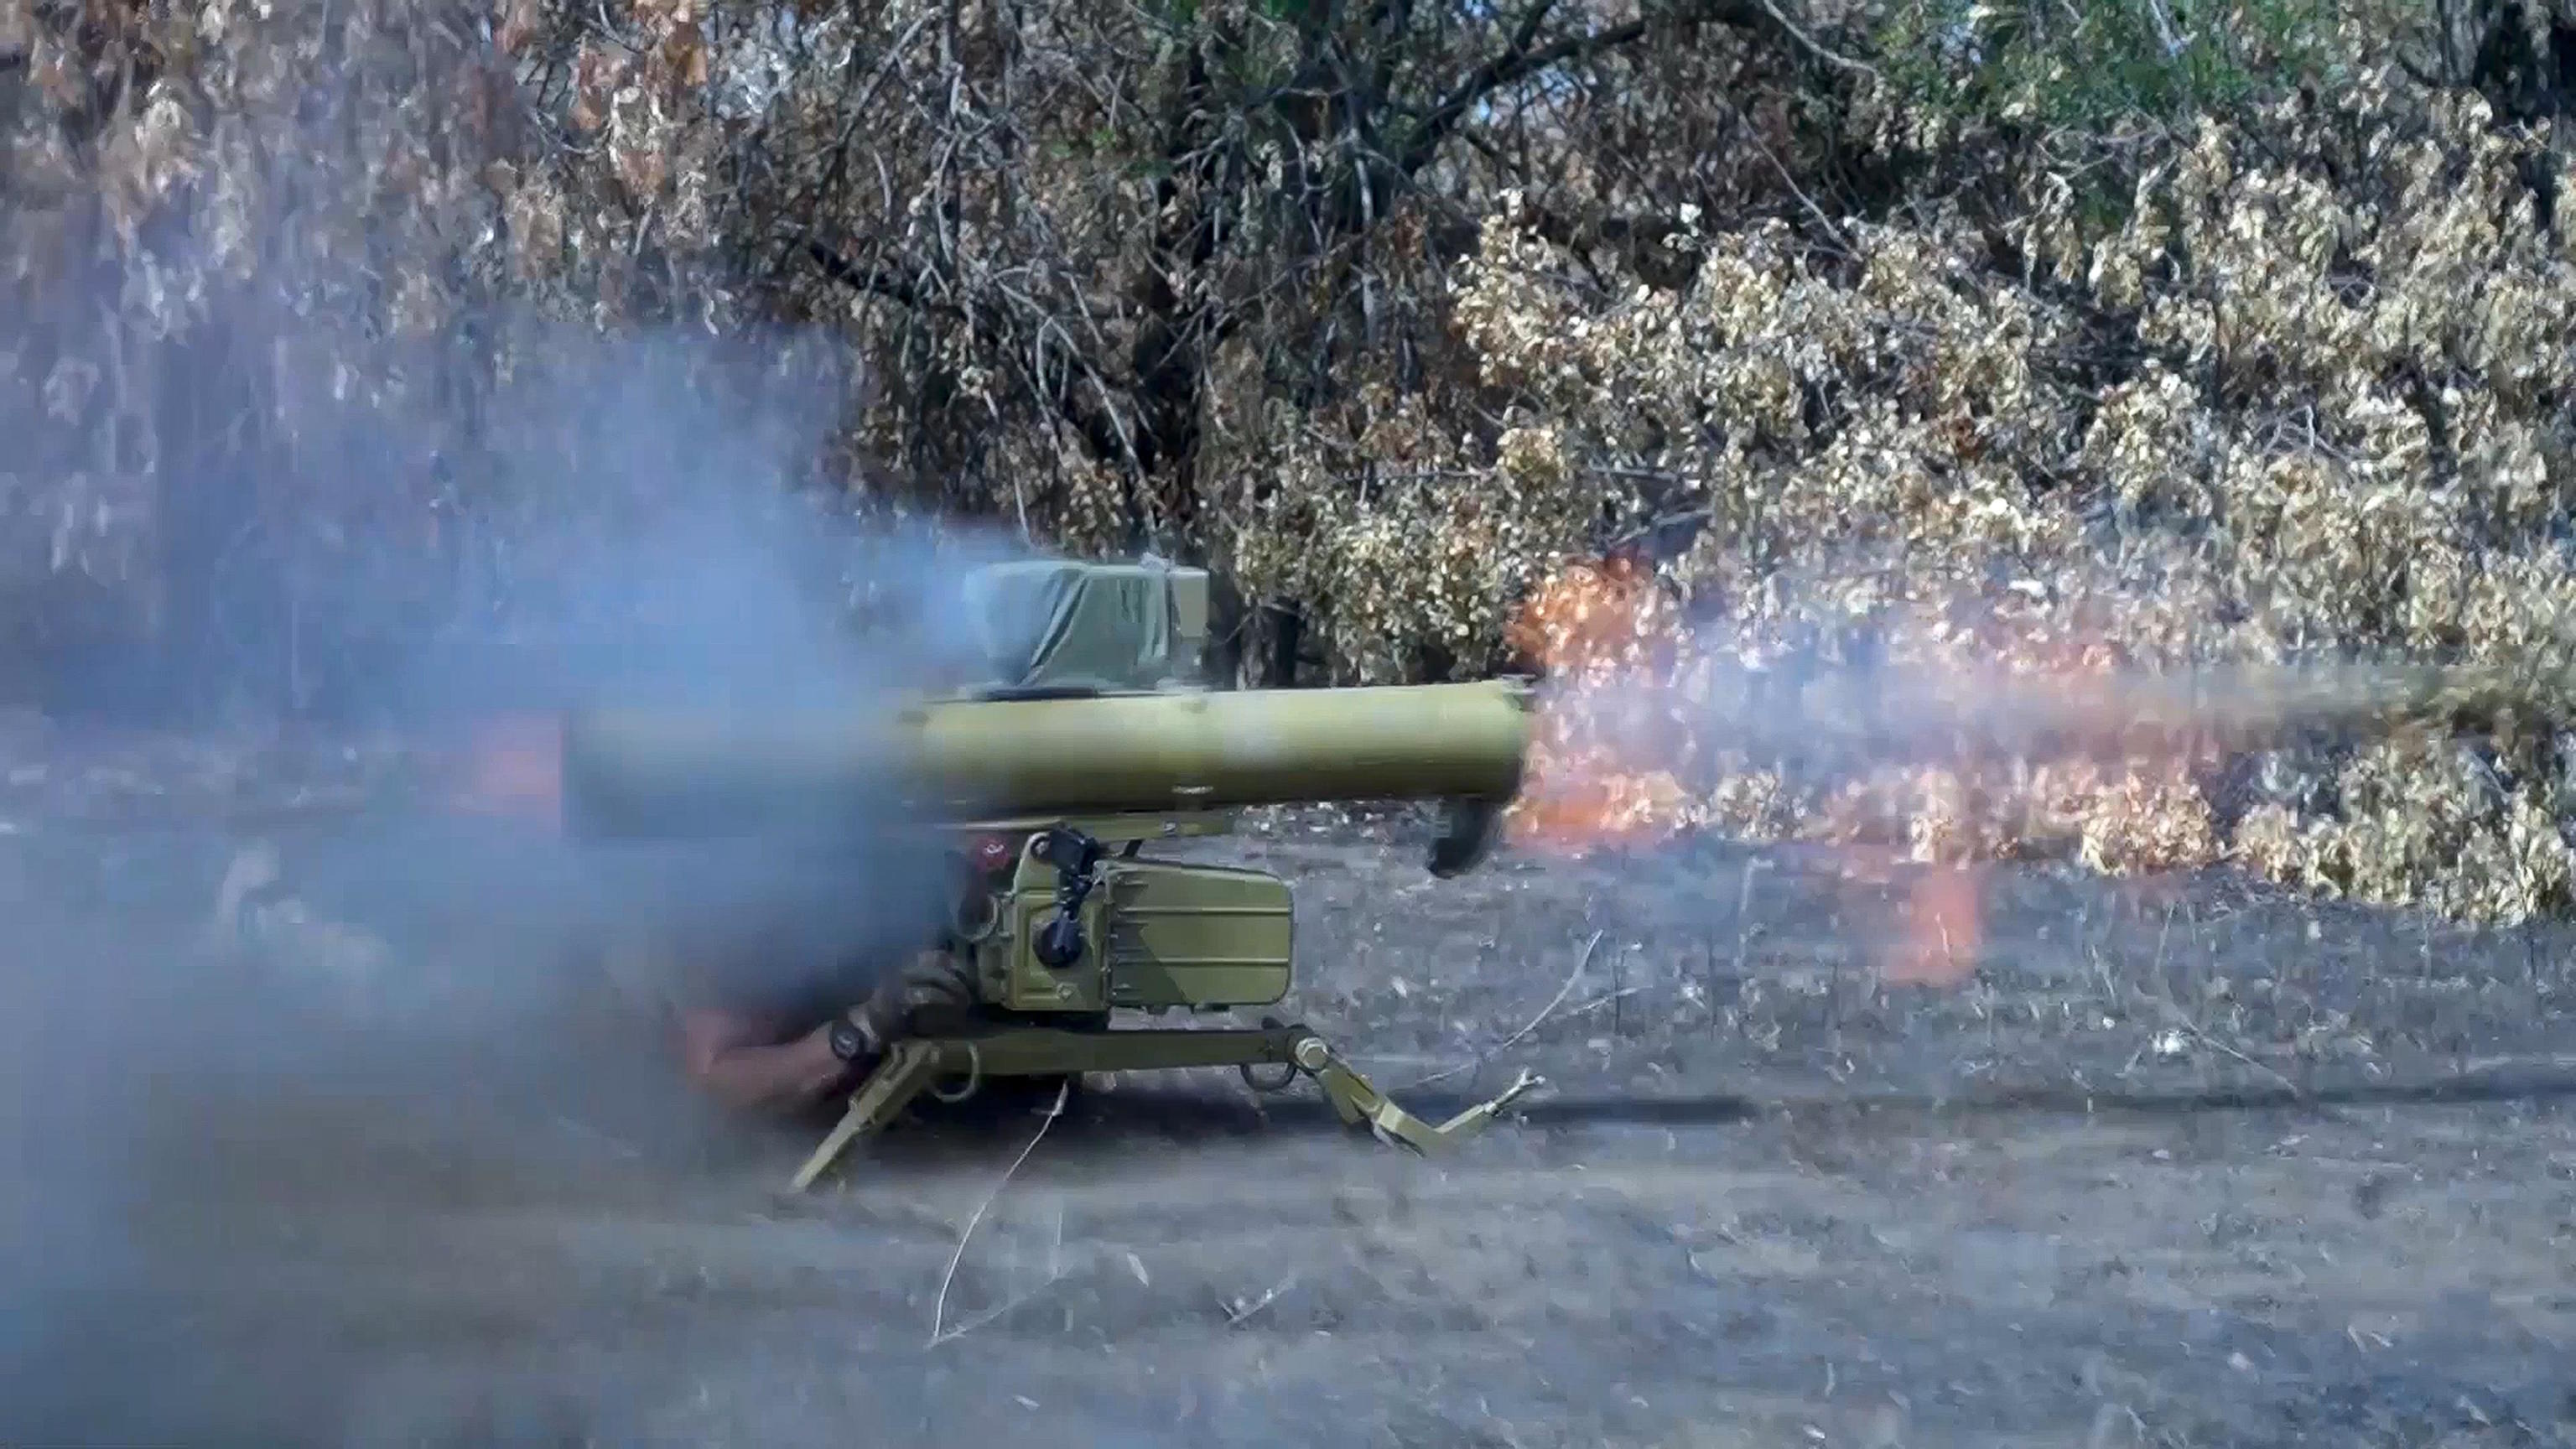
1519,60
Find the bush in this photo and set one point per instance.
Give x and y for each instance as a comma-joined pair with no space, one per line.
2311,398
2069,338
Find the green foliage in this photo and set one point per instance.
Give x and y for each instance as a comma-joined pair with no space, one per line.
2102,65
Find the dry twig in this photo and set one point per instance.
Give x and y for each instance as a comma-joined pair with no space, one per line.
939,1309
1581,960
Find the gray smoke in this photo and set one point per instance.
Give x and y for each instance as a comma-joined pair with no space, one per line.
397,538
656,552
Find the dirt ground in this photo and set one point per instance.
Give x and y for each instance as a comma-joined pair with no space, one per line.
2178,1166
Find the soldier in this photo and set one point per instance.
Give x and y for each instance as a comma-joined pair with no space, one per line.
753,1038
787,1048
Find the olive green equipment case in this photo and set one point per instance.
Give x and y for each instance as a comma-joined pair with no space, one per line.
1089,740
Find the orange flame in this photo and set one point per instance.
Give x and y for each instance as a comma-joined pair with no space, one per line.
1594,629
1610,642
512,767
1935,928
1943,922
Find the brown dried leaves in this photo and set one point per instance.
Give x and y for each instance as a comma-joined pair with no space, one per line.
1894,447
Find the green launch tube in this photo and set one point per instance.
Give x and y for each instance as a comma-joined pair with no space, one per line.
648,773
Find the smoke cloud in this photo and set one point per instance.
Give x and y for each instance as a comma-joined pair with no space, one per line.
247,502
647,546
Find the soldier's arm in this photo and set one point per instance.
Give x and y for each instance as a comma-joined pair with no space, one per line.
739,1060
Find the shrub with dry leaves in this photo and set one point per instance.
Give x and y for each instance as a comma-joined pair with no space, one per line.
2311,398
1389,315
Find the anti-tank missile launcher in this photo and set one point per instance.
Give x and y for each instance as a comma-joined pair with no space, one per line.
1049,780
1164,754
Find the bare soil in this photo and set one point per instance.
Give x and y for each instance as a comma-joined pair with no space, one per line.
2180,1165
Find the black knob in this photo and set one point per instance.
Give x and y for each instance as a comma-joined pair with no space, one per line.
1059,943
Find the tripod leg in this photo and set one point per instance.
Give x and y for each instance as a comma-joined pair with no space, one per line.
1358,1100
889,1089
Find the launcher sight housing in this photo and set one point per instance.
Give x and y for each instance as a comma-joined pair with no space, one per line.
1091,737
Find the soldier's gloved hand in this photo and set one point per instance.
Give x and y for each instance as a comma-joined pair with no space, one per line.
932,991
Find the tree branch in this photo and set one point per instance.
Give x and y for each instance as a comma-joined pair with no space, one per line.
878,282
1098,425
1518,61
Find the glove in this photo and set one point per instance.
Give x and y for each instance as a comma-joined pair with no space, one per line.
934,989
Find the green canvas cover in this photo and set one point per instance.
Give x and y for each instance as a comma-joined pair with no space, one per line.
1066,624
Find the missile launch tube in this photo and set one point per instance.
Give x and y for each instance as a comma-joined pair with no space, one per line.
642,773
